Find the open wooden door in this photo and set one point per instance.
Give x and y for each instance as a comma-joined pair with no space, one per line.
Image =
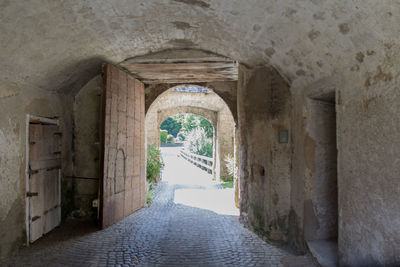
123,158
44,195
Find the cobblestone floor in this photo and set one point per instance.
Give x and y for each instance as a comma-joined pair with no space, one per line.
165,234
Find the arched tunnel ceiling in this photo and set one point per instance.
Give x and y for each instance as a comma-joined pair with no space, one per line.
60,45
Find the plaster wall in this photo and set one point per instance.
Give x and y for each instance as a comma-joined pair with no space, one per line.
367,163
15,103
66,43
264,110
321,216
369,171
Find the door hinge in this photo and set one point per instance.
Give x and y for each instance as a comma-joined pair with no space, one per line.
33,171
32,194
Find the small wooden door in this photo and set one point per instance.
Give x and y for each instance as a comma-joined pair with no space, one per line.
44,179
123,158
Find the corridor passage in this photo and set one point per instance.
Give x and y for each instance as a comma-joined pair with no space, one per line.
192,221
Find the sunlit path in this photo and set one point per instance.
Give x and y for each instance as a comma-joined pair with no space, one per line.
195,187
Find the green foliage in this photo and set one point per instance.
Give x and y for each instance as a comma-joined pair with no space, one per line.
181,137
179,118
171,125
163,136
149,197
155,164
198,143
230,165
207,126
150,193
170,139
196,131
227,184
190,123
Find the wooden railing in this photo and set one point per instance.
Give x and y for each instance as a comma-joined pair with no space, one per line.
203,162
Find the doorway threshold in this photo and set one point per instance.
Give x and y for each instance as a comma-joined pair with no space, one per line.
325,251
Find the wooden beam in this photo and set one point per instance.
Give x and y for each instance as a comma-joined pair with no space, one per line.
184,72
177,56
186,81
181,66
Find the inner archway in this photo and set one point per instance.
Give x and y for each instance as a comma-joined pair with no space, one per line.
188,152
200,101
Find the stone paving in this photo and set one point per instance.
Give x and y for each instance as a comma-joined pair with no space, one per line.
167,233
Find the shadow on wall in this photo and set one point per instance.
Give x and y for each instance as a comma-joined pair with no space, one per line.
264,112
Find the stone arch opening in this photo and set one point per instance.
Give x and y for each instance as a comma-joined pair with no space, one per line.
204,102
208,157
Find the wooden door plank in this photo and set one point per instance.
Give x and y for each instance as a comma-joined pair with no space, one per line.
36,205
44,185
45,164
122,121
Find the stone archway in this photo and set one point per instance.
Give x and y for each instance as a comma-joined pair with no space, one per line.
208,105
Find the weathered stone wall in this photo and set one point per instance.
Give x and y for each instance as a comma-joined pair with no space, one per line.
321,215
210,106
225,139
87,147
368,164
263,110
15,103
367,126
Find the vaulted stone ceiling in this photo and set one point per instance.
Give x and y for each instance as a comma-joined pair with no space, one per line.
60,45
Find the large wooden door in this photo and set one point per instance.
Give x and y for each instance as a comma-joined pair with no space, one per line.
123,158
44,179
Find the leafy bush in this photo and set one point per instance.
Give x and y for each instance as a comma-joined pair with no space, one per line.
163,136
150,193
198,143
171,125
181,137
207,126
154,164
190,122
170,139
196,132
230,165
